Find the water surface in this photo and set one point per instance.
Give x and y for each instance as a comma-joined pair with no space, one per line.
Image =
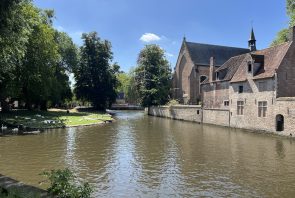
141,156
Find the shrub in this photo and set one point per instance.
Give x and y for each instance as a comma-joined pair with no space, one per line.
172,102
62,184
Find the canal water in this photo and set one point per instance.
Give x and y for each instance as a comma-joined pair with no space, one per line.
141,156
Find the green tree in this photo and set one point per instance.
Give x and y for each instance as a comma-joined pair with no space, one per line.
95,76
153,76
123,79
49,56
283,35
15,27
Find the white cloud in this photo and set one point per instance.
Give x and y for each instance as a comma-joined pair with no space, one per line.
60,28
169,54
149,37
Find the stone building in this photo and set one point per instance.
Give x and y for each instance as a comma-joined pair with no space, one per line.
192,68
253,86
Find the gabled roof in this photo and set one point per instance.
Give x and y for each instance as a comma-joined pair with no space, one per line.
231,66
201,53
272,60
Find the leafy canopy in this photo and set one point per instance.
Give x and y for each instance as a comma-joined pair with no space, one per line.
283,35
153,76
95,76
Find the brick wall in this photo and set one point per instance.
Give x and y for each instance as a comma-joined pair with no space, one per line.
214,94
186,80
251,96
286,108
216,116
286,73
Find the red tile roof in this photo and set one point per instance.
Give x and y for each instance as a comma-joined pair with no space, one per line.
272,59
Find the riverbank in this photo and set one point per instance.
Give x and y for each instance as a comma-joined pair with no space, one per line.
13,188
23,120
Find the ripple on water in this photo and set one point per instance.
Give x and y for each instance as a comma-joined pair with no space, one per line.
141,156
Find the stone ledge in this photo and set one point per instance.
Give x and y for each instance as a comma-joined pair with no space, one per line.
286,99
9,183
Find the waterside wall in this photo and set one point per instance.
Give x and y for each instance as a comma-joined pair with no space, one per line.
282,107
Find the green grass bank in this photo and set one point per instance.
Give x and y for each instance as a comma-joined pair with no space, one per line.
53,118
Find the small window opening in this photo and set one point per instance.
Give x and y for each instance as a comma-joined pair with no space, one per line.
226,103
241,89
249,67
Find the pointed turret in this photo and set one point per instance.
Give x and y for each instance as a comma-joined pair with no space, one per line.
252,41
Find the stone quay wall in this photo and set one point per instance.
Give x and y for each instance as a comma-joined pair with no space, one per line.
191,113
217,117
284,107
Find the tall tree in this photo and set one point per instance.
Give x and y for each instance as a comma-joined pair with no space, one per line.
153,76
95,76
283,35
37,70
49,56
15,27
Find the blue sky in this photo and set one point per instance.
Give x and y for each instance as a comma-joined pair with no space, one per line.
131,24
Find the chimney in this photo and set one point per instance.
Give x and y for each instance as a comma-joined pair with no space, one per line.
212,70
292,34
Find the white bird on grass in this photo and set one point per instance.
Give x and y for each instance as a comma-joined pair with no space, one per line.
15,129
3,127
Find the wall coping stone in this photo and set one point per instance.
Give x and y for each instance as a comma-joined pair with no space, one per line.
286,99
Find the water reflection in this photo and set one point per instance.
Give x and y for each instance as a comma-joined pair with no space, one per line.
280,148
140,156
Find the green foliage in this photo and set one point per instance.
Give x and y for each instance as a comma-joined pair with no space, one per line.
62,184
124,80
95,76
35,59
283,35
15,28
172,102
291,11
153,76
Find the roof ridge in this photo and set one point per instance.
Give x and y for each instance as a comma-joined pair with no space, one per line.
287,42
238,56
215,45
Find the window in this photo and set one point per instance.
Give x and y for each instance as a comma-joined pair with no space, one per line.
217,75
198,112
262,108
249,67
241,89
240,108
203,78
226,103
262,86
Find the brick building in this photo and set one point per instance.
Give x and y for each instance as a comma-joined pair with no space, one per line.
253,87
192,68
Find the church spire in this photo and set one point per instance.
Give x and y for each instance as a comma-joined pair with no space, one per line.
252,41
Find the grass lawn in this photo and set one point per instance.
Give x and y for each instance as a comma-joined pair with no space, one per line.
53,118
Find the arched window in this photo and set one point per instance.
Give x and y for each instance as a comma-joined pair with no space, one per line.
202,78
280,122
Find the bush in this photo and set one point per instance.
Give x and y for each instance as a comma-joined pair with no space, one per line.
172,102
62,184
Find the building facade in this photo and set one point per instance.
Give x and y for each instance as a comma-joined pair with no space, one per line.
192,68
253,88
